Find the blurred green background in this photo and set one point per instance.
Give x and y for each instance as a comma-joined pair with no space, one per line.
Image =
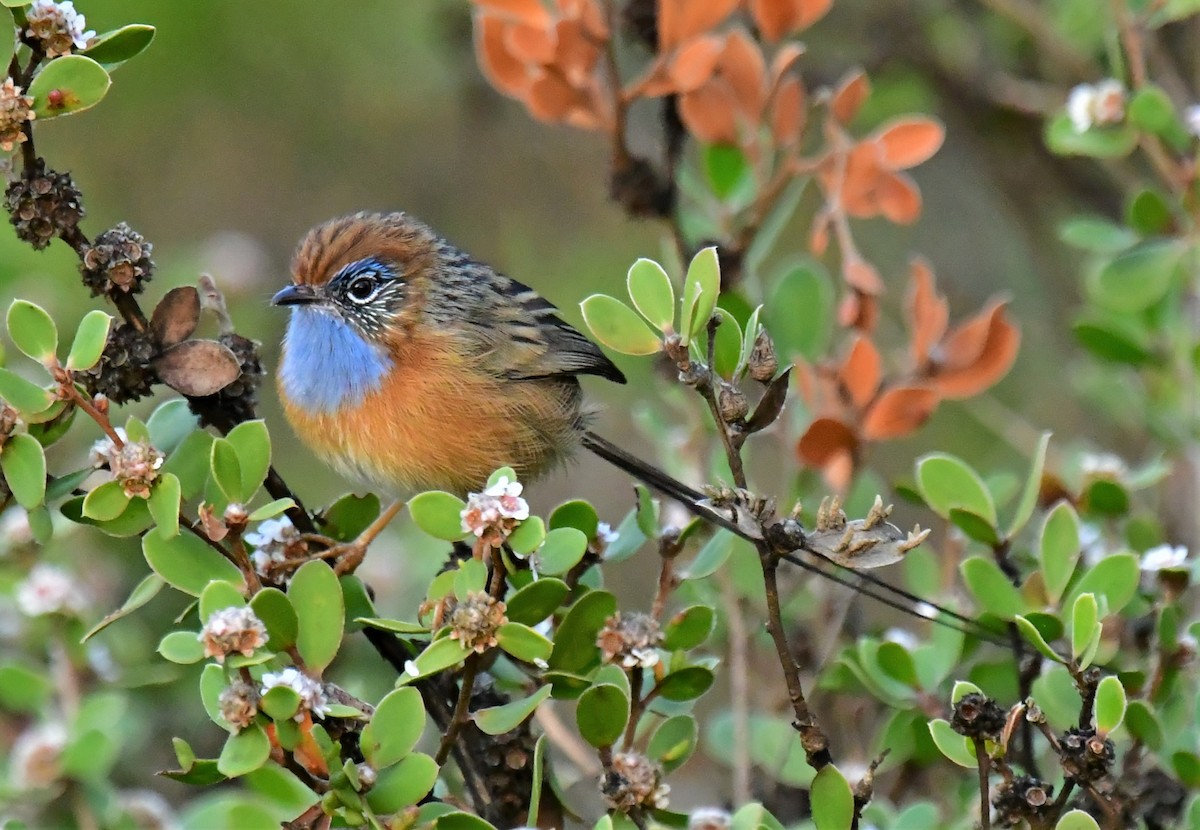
245,124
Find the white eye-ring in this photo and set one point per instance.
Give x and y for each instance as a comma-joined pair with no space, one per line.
363,288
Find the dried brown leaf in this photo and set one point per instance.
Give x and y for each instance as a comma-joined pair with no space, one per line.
176,315
197,367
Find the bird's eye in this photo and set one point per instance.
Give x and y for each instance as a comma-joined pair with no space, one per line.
362,289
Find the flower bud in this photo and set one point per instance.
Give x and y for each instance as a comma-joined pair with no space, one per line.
731,403
763,361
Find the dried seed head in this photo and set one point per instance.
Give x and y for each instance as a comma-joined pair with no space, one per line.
764,363
629,640
15,110
124,372
474,621
43,204
239,704
1085,755
1024,798
731,403
118,260
634,781
232,630
978,716
135,465
240,398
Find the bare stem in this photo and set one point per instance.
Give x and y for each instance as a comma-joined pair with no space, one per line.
985,804
459,718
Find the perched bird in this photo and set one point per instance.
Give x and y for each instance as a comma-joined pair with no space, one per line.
411,365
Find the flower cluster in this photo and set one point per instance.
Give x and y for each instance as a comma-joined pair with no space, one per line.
634,781
474,621
275,542
630,640
49,590
35,760
1096,105
16,109
495,513
232,630
239,704
57,26
1165,557
312,694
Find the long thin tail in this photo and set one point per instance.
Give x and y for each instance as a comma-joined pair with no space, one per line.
694,501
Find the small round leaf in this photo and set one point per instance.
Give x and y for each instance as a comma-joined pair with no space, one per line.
439,514
602,713
32,331
652,294
89,341
618,326
24,466
68,85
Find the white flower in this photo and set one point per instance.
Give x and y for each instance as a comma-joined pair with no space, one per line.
272,541
102,451
1096,105
495,513
230,630
1103,464
606,534
58,26
49,590
709,818
34,758
14,528
906,639
1163,557
312,695
508,499
1191,117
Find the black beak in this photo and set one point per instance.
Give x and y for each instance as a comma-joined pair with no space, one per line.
296,295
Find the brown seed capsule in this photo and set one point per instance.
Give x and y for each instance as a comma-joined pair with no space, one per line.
764,363
731,403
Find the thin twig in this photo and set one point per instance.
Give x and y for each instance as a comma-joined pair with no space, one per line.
459,718
985,804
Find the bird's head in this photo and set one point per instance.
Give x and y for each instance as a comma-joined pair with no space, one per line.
366,271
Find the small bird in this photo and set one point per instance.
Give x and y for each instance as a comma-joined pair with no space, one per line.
411,365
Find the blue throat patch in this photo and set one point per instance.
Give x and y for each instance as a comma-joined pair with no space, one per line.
327,365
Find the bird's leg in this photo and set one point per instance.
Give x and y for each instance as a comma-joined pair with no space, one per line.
350,555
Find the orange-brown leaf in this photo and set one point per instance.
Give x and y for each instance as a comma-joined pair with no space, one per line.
850,96
681,20
860,179
777,19
862,276
551,98
977,354
909,141
709,113
505,72
530,44
787,111
694,63
858,311
825,439
745,69
862,372
928,312
530,12
898,198
899,412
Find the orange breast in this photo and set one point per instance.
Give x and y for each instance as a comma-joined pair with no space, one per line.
438,422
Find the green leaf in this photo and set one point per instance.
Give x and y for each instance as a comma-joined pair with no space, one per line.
439,514
187,563
317,597
689,628
990,588
1059,549
1076,820
135,520
602,713
727,350
647,512
578,514
575,641
142,593
227,470
1137,279
244,752
462,821
710,557
496,720
523,643
273,607
89,341
349,516
629,539
536,601
106,501
1110,705
945,482
1143,724
403,784
470,577
1031,633
701,286
22,689
33,331
437,656
1114,577
831,800
1149,214
1033,484
1096,234
170,423
618,326
1098,142
562,550
1152,110
272,509
217,596
252,443
529,534
280,703
68,85
800,314
753,327
686,684
182,647
190,462
975,527
24,396
394,626
726,168
24,466
164,502
956,747
1085,624
121,44
652,294
394,729
673,742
